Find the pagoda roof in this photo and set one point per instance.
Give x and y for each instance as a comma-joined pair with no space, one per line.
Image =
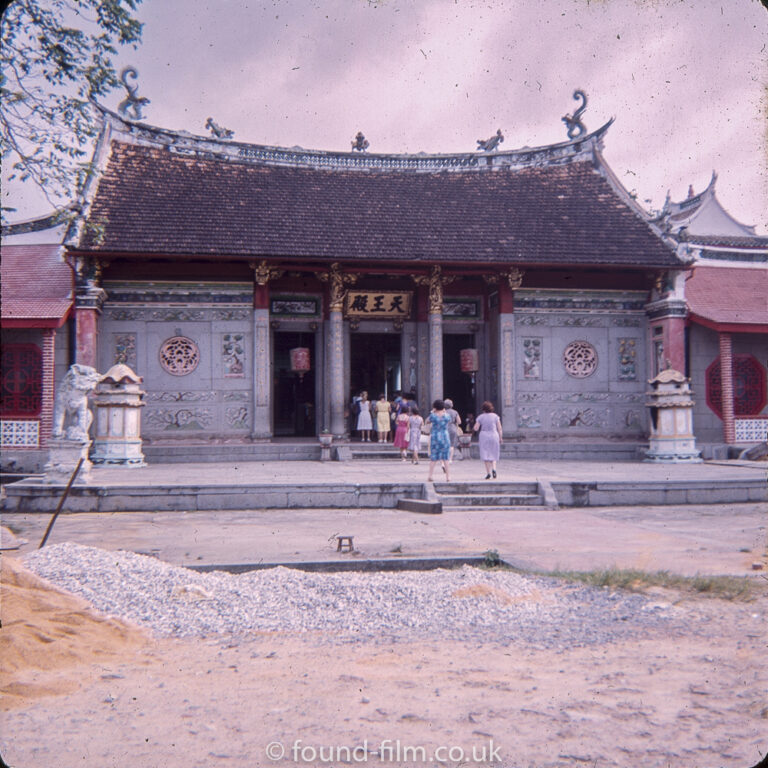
170,194
702,215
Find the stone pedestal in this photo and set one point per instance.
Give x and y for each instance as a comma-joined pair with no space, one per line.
117,400
63,456
325,446
671,406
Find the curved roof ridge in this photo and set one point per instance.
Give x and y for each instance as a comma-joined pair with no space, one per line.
185,143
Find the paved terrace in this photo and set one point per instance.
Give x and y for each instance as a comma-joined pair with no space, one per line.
705,536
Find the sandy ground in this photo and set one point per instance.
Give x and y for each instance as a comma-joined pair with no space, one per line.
80,689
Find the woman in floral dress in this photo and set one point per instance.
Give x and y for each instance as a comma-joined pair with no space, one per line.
439,442
415,423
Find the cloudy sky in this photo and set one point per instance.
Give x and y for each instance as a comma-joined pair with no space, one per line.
686,80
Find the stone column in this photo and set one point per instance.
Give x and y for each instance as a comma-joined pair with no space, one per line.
336,368
261,428
89,298
508,283
435,356
336,280
726,386
667,312
436,280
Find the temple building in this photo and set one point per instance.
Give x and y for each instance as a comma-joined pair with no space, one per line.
256,289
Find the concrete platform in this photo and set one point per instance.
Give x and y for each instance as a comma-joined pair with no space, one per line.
377,484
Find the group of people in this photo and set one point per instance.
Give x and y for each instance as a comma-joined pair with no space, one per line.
443,424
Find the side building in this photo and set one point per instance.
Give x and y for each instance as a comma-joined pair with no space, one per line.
727,333
37,318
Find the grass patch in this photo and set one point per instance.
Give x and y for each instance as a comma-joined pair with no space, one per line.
723,587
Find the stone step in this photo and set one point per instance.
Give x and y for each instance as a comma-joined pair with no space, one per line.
487,487
490,500
515,508
362,454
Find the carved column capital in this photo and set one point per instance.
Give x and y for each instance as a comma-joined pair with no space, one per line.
513,276
336,280
435,280
262,273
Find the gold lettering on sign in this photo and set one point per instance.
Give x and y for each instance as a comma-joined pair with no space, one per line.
378,304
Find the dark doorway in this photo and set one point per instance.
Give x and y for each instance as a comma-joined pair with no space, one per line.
294,394
375,364
458,386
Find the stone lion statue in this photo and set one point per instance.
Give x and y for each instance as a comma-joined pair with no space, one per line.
71,415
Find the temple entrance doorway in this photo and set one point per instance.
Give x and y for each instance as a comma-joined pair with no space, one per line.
375,364
457,386
294,392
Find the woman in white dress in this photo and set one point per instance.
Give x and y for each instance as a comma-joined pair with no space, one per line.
364,420
488,424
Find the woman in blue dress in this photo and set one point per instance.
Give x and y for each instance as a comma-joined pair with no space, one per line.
439,441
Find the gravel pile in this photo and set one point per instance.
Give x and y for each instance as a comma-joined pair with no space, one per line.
466,604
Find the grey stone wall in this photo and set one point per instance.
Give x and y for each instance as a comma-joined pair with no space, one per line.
199,386
580,364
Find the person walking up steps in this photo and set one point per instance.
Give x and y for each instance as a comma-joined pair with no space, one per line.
439,442
488,424
364,421
382,409
401,434
414,438
453,427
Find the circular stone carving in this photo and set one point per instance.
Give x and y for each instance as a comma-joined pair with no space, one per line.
580,359
179,355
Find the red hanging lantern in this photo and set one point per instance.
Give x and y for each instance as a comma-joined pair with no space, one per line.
300,360
469,360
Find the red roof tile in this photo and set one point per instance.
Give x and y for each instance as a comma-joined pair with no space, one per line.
36,283
154,202
725,296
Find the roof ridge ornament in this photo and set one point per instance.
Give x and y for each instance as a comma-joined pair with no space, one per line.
132,100
576,129
360,144
488,145
217,131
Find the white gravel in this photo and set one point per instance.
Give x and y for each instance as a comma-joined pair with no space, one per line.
468,604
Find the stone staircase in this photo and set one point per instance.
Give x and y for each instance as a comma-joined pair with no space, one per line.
374,450
489,494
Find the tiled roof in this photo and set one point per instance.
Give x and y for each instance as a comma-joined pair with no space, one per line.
154,202
758,242
729,296
36,283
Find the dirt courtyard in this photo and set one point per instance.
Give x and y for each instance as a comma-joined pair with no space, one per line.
80,689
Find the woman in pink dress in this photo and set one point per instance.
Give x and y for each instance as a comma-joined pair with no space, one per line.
401,434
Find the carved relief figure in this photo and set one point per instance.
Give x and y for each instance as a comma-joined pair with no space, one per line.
71,415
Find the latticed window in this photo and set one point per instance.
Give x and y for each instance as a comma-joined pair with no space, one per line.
22,380
748,386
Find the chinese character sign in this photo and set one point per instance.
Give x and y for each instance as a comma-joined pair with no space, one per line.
378,304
